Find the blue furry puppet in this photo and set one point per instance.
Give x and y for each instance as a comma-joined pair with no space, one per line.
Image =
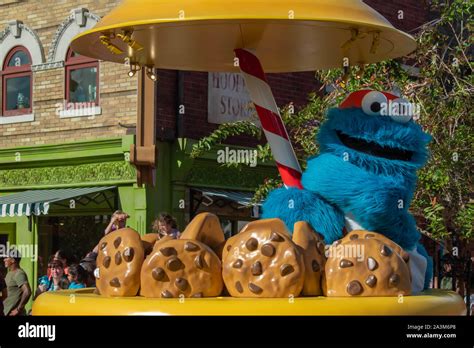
363,178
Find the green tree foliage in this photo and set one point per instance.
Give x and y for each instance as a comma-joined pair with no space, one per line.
442,86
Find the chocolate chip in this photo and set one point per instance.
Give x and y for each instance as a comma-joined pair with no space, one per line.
354,236
372,264
229,247
166,294
238,287
158,274
252,244
118,258
385,250
286,269
189,246
275,237
237,264
255,289
168,251
115,283
268,250
174,264
117,242
181,283
128,254
106,262
394,280
354,288
315,266
199,261
257,268
371,281
103,245
198,295
345,263
369,235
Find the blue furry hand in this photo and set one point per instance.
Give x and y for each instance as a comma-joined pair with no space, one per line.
292,205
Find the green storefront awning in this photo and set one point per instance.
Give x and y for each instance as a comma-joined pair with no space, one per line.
37,202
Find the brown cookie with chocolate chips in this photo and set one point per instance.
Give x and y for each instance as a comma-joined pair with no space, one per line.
265,224
262,261
366,267
119,261
369,234
312,247
205,228
180,267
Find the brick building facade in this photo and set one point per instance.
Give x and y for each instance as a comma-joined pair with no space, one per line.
45,30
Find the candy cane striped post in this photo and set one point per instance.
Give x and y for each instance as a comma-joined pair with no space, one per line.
270,118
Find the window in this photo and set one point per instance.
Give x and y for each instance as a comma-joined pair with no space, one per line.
82,81
17,83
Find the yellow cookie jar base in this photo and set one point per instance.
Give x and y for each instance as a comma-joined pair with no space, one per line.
85,302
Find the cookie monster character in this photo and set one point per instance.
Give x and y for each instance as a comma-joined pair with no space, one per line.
363,178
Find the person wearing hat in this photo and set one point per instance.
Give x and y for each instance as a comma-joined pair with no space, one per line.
18,288
88,263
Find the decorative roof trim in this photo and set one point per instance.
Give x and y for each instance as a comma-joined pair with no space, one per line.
74,17
20,38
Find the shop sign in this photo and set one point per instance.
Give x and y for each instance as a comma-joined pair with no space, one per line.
228,99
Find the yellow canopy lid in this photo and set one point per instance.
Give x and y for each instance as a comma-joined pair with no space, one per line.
201,35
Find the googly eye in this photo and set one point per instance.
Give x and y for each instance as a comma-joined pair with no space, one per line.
373,102
400,110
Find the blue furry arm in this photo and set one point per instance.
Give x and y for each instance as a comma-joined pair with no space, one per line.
378,202
352,188
292,205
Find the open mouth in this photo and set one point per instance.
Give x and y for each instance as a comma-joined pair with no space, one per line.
374,149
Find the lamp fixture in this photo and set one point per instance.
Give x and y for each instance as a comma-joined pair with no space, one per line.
150,73
133,69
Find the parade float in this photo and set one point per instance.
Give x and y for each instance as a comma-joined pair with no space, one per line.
283,264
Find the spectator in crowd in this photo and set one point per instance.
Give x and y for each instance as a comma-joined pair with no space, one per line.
56,281
3,289
76,277
88,263
165,225
447,262
18,288
118,221
61,256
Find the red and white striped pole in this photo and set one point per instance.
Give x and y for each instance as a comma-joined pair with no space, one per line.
272,124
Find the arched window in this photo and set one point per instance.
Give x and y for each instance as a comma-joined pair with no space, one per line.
17,84
82,80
